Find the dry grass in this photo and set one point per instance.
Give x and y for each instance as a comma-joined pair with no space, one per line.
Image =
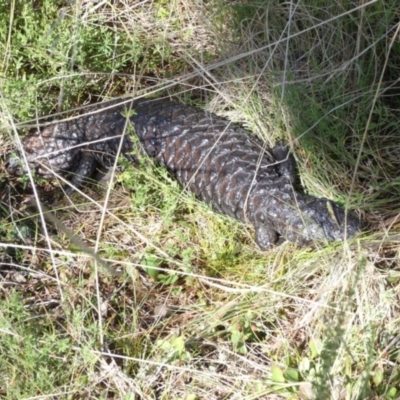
192,309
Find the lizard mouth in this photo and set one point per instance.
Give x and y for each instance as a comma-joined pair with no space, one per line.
342,225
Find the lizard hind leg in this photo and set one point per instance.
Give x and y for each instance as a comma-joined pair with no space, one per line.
266,236
85,169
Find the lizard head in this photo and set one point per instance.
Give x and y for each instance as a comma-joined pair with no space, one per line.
321,219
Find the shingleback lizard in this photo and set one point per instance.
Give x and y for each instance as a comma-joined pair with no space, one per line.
219,161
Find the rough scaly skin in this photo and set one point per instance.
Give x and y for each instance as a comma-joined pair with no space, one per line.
217,160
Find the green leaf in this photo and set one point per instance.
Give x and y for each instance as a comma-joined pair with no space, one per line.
304,364
315,346
179,344
236,337
163,344
292,375
378,376
167,279
392,393
277,374
149,261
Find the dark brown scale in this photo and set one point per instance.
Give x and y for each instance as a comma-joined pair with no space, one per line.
219,161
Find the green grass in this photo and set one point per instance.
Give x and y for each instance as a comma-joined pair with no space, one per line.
196,311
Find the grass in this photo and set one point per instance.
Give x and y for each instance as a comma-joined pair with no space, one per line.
194,310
